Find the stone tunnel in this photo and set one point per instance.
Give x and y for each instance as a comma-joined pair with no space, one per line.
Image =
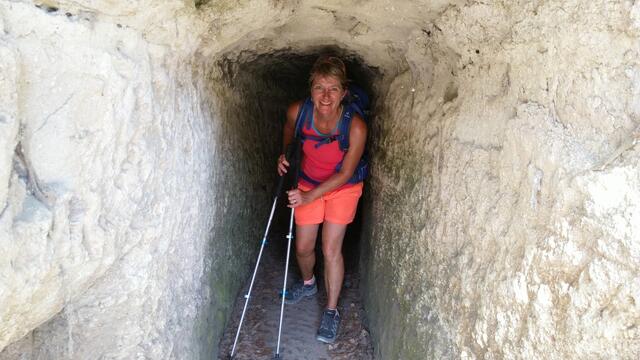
138,142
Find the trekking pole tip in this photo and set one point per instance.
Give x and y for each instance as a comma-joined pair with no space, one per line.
277,356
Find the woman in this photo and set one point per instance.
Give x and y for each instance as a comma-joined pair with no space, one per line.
324,194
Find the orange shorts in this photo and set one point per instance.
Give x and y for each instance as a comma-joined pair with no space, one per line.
337,206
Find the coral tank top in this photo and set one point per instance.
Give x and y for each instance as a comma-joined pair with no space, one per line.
319,162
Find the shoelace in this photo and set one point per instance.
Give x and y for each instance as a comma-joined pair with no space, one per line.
327,322
295,291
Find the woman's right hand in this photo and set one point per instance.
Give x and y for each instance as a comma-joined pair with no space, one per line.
283,164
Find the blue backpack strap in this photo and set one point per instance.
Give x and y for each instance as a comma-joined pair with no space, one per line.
344,128
308,179
305,113
358,99
322,140
360,173
305,119
362,169
358,110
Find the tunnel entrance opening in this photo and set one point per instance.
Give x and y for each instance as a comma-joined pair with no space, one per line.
261,86
267,84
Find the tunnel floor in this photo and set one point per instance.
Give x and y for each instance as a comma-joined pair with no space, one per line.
258,338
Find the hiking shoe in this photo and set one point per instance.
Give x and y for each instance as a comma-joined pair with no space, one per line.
329,325
299,291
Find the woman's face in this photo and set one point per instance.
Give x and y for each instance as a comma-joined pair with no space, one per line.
326,94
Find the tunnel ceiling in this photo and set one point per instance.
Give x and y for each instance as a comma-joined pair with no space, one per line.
378,31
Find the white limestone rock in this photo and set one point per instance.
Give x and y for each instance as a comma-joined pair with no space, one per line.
501,218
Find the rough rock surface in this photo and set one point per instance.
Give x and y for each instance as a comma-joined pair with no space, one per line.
125,213
501,219
512,200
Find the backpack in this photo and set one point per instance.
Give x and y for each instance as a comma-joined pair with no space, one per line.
356,101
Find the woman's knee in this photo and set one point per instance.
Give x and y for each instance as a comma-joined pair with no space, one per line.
332,238
303,249
331,251
306,239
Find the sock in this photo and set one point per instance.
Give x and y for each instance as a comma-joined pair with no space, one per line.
334,311
310,281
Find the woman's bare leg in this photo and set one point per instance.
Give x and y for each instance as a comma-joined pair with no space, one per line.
332,237
305,249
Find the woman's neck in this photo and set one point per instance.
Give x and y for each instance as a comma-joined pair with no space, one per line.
329,118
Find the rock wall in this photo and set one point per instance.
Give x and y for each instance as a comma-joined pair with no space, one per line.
127,214
506,225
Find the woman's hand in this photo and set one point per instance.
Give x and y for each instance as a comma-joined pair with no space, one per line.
298,197
283,164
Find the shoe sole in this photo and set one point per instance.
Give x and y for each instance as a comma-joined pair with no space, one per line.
291,302
325,340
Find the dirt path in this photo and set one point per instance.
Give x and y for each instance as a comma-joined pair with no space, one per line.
258,338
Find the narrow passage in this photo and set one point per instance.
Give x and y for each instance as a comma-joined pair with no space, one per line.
258,338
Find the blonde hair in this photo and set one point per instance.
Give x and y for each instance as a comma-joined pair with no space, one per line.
329,66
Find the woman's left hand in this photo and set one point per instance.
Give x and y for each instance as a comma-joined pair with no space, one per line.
298,197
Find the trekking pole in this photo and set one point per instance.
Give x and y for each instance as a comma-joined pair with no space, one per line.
290,239
288,155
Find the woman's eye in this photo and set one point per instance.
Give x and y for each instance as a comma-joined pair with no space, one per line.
321,89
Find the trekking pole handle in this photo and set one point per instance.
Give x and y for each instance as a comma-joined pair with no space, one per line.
296,157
